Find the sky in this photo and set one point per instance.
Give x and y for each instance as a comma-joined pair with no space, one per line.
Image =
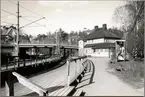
68,15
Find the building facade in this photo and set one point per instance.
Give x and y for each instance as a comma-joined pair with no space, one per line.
98,43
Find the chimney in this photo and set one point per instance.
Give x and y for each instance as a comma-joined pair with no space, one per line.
96,28
105,26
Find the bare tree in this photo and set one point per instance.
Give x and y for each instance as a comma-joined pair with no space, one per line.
131,18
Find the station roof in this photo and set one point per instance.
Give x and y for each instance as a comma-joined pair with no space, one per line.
102,33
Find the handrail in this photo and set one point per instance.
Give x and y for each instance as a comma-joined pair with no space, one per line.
78,58
34,87
24,61
68,67
93,72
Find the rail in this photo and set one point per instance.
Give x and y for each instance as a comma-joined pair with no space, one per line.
24,81
26,62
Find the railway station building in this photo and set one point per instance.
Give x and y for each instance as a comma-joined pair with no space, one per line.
98,43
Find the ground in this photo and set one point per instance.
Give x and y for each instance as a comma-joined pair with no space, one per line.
104,83
107,84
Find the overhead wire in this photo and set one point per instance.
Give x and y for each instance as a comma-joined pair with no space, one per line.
8,12
29,11
29,20
30,17
24,17
25,8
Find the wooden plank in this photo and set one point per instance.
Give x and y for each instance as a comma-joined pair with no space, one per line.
57,92
85,79
54,92
78,93
60,93
34,87
67,91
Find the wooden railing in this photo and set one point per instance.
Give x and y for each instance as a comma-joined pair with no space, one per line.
43,91
81,68
34,87
16,63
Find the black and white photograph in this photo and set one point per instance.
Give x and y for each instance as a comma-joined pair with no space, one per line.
72,47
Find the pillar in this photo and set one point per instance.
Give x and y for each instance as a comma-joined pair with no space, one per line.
109,52
9,84
50,52
53,51
65,52
33,51
71,52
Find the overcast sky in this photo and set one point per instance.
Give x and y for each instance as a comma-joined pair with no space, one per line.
68,15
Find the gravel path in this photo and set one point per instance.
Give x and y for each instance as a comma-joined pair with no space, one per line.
106,84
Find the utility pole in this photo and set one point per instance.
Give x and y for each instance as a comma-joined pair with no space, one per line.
9,84
17,40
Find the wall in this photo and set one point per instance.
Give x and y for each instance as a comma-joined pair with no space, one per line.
90,51
97,52
101,40
81,44
81,48
110,40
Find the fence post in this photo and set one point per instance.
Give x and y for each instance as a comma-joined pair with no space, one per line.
68,72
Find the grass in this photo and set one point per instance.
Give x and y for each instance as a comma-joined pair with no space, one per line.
132,74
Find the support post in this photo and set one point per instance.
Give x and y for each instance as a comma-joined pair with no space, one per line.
109,52
9,84
53,51
71,52
24,61
50,52
68,73
67,52
7,64
115,51
17,40
63,52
